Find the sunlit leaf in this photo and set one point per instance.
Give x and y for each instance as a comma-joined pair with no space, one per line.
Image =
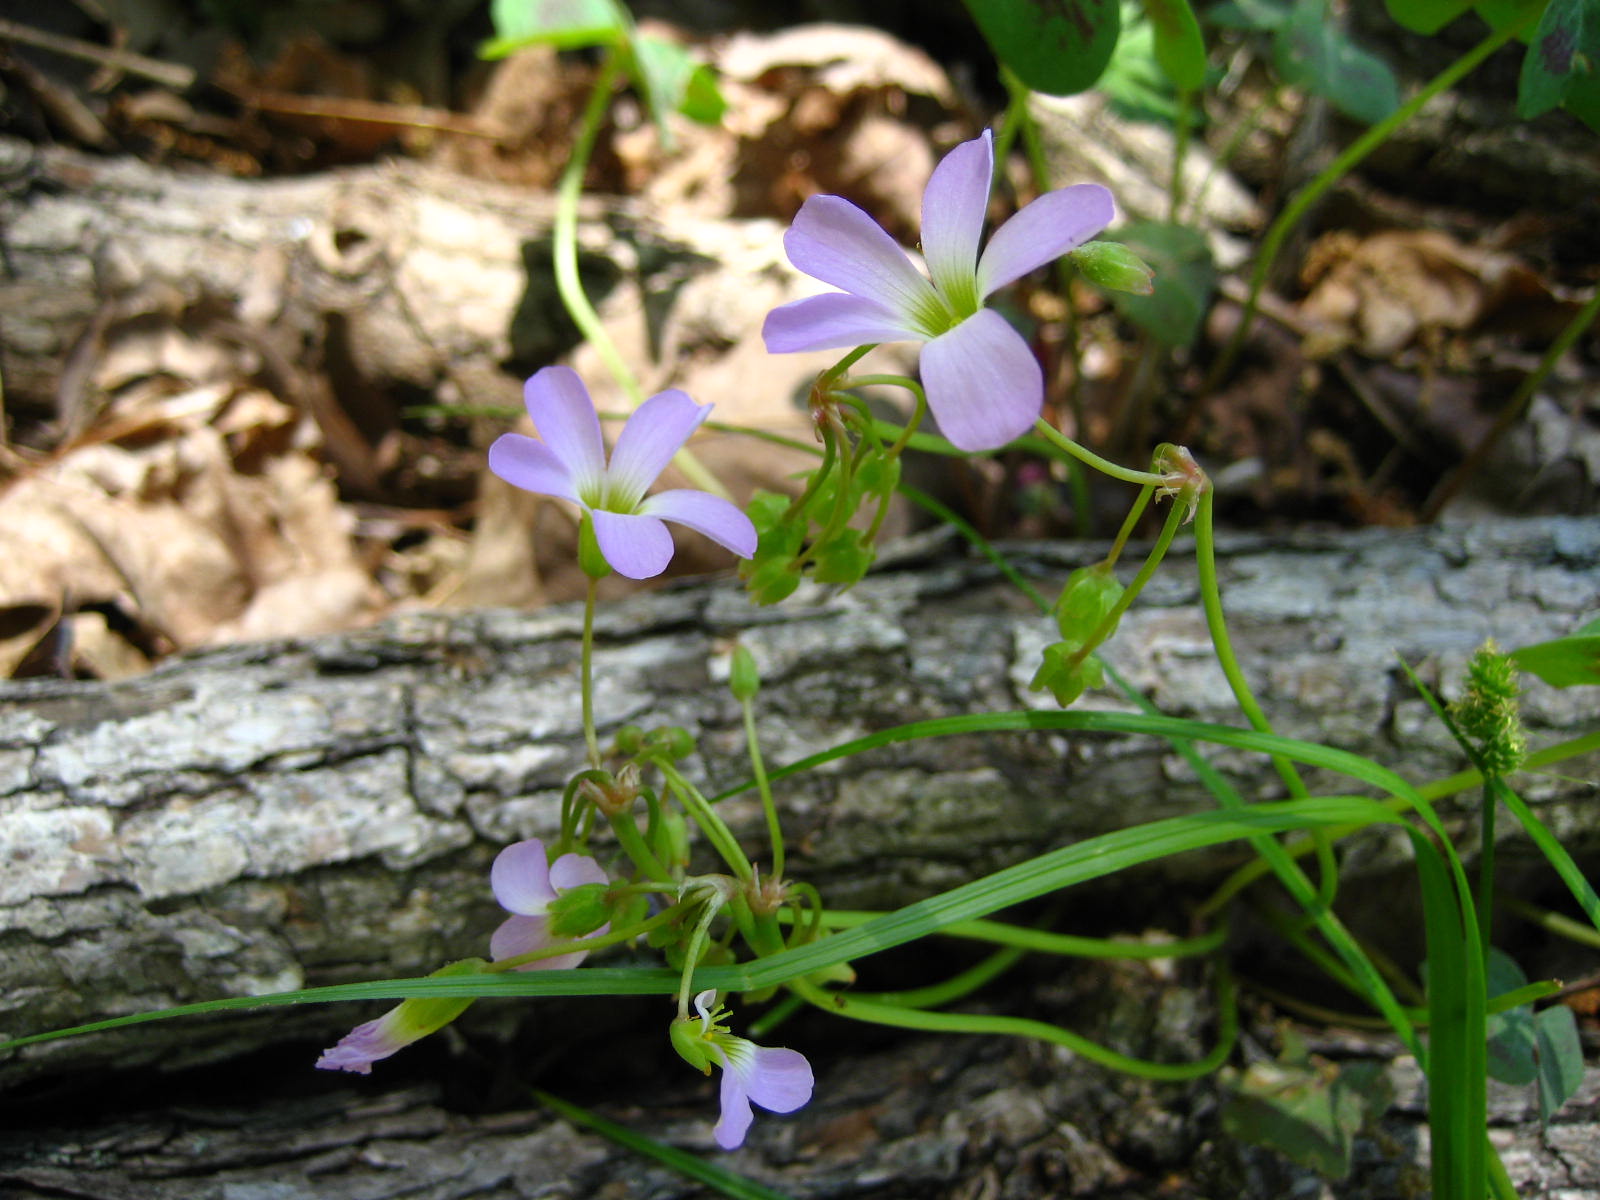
565,24
1565,47
1565,661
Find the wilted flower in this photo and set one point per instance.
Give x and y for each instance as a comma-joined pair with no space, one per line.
983,382
409,1021
779,1080
527,883
568,460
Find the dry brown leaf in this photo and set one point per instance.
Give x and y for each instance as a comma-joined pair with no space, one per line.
1384,292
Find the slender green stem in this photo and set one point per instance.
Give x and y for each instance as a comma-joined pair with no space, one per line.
637,849
713,826
774,826
1205,537
569,285
1131,592
957,986
1513,409
1302,201
564,253
693,951
1046,942
1554,922
1130,523
946,1022
1490,806
1180,150
1089,459
590,737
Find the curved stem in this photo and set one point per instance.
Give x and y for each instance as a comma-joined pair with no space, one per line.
564,253
1302,201
1089,459
774,828
947,1022
713,826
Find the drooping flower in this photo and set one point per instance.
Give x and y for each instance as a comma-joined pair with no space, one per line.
777,1079
568,460
527,883
983,383
409,1021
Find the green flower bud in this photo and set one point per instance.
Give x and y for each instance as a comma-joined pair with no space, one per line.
630,739
1113,266
744,680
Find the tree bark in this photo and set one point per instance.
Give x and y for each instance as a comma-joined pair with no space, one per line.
270,816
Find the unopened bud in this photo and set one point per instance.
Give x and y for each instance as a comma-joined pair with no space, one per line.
744,679
1113,266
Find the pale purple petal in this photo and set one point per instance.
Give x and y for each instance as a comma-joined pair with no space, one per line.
833,321
565,418
365,1045
716,518
983,383
575,870
776,1079
834,241
529,464
519,935
1043,231
779,1080
523,935
655,432
636,546
736,1115
953,208
520,878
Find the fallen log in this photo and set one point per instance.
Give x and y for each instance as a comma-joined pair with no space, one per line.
270,816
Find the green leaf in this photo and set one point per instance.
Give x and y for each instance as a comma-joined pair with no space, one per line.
1185,277
1512,1042
1426,16
842,558
1179,46
1059,47
1565,661
1560,1059
1312,52
1565,45
1264,16
1583,98
672,81
564,24
1135,82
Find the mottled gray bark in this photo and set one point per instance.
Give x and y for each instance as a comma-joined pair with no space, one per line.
270,816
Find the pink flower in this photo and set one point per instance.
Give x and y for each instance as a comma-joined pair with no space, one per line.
983,382
568,460
779,1080
526,883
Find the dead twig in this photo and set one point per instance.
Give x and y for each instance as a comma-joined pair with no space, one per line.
172,75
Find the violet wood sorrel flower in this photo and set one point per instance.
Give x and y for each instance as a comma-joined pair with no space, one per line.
527,884
568,460
778,1079
983,382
